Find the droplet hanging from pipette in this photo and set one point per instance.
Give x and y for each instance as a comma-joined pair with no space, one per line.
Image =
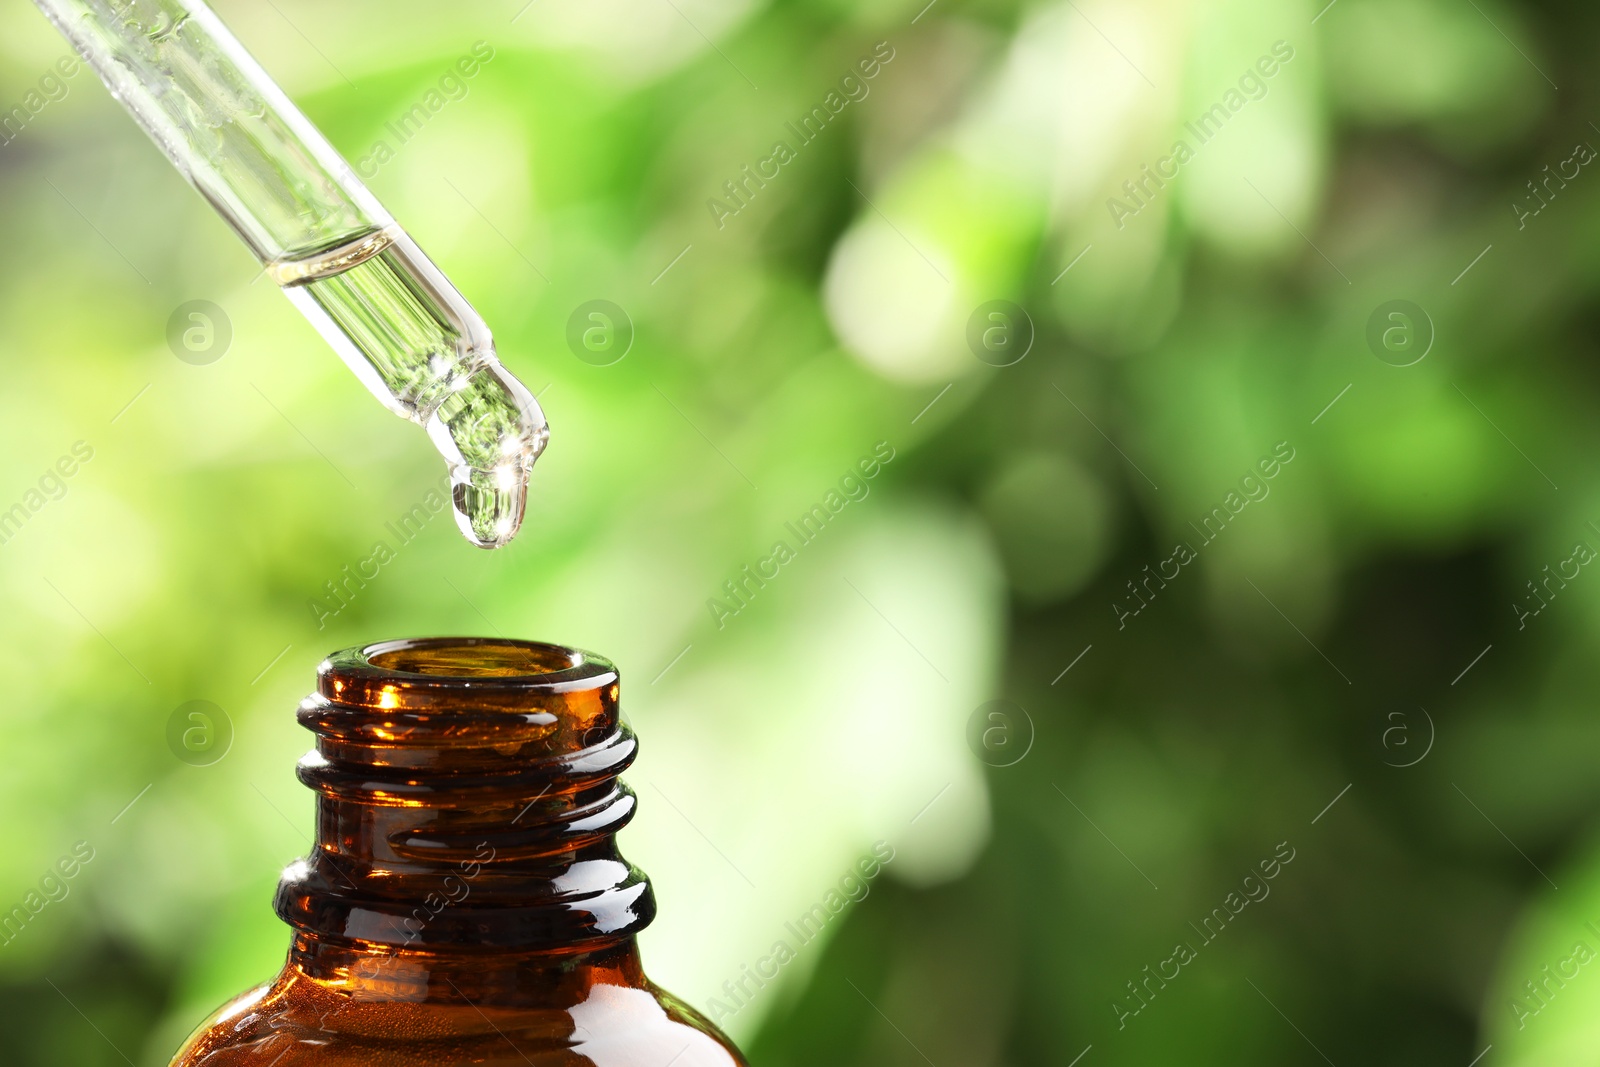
490,431
421,349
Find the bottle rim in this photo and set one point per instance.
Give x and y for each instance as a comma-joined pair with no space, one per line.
495,664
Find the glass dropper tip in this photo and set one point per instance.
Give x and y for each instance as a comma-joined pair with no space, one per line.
490,431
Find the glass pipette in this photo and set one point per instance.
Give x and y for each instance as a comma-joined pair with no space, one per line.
392,315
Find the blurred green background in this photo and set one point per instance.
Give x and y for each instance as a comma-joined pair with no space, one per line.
1377,661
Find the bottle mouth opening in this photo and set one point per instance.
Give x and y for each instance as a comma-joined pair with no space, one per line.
458,685
473,657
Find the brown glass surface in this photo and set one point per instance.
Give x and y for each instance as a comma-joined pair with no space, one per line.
465,902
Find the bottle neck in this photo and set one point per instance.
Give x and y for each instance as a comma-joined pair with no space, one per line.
467,804
551,979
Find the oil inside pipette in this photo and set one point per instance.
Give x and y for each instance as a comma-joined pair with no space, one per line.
429,357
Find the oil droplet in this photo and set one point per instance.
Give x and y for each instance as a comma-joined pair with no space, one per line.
490,431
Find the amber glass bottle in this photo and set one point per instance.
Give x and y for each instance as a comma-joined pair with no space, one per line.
465,902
